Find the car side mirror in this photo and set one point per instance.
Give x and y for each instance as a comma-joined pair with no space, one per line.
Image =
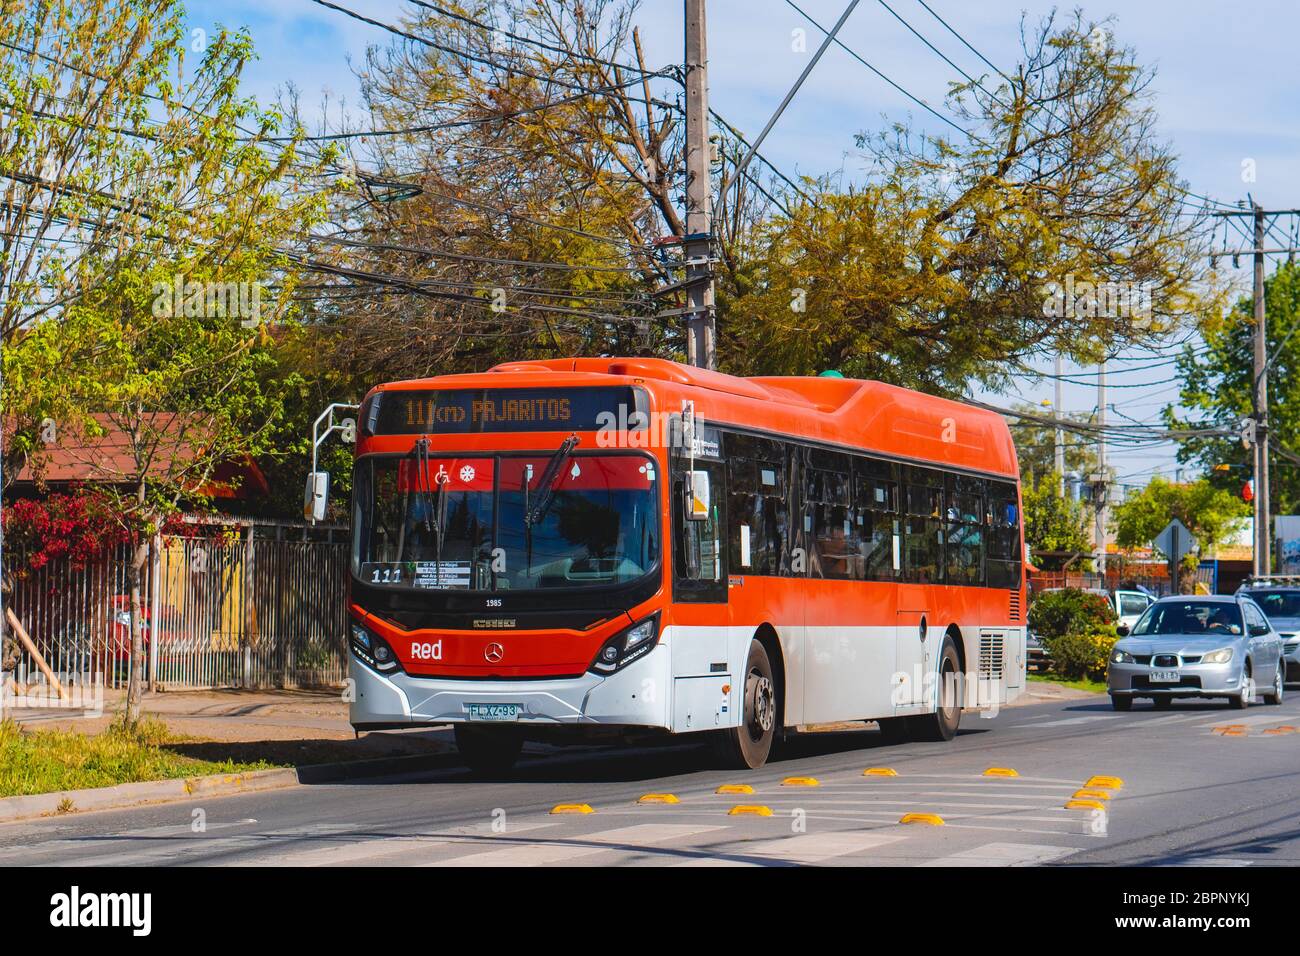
1122,630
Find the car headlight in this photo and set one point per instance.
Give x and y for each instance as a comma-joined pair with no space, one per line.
1121,657
1221,656
627,646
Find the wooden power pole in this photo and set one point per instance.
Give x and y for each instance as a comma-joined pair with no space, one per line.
697,246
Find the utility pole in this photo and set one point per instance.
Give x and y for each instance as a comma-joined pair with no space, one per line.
1263,535
1100,486
697,247
1059,436
1258,435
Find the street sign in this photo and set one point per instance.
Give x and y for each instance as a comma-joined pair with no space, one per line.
1175,541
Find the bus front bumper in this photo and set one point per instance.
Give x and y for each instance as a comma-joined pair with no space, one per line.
635,696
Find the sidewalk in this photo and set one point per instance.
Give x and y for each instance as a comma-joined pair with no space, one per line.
292,727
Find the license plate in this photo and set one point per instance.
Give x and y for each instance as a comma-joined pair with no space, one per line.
493,711
1164,677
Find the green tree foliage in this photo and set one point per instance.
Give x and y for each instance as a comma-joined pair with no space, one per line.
1211,514
1217,390
126,176
1077,629
1069,610
1053,524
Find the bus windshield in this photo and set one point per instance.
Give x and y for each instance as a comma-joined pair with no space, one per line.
433,523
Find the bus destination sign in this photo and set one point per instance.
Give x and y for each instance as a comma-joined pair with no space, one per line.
455,411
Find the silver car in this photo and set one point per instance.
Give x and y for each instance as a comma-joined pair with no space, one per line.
1212,646
1281,605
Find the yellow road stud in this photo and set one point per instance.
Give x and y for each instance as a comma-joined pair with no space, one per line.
800,782
572,808
880,772
1000,772
1084,805
735,788
929,819
659,798
1086,794
1105,783
749,811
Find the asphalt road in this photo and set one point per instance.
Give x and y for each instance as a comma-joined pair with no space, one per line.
1191,795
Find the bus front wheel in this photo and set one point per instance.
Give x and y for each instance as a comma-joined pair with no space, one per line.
942,724
748,746
488,750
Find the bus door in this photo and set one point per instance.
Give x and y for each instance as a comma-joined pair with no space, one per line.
913,646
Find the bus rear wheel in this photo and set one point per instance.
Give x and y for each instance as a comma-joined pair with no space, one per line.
943,723
747,747
490,751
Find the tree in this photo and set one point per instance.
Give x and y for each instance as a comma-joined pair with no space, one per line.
957,260
1210,513
1056,527
138,199
1218,378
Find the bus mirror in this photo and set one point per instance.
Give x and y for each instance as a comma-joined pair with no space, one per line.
697,496
317,496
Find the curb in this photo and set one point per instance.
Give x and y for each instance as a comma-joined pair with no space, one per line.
216,785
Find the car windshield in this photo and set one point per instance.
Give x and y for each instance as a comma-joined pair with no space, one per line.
461,523
1277,603
1189,617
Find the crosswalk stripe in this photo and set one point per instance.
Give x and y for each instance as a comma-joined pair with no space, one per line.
809,848
536,854
364,849
1077,720
1004,854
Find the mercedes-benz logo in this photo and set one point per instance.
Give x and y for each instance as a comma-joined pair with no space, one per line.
493,653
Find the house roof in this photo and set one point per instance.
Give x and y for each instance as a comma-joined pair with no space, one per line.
110,458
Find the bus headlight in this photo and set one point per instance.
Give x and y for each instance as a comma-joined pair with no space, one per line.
373,650
626,646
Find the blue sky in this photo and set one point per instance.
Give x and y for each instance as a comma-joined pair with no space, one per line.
1221,91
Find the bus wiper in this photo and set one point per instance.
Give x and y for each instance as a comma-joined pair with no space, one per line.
545,489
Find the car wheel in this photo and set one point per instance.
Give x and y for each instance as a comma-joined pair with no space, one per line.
747,747
490,751
1274,696
1121,703
1242,700
943,723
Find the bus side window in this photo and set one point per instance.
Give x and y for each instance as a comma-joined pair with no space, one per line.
1002,565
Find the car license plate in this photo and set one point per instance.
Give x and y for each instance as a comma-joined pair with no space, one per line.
493,711
1164,677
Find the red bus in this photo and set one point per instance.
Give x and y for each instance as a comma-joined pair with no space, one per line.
578,548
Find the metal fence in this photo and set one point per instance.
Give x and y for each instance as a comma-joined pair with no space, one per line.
248,607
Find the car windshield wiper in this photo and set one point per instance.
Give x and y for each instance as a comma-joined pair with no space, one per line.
545,489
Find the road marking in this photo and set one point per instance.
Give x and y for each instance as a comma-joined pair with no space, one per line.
1079,720
365,847
627,839
1004,854
805,848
